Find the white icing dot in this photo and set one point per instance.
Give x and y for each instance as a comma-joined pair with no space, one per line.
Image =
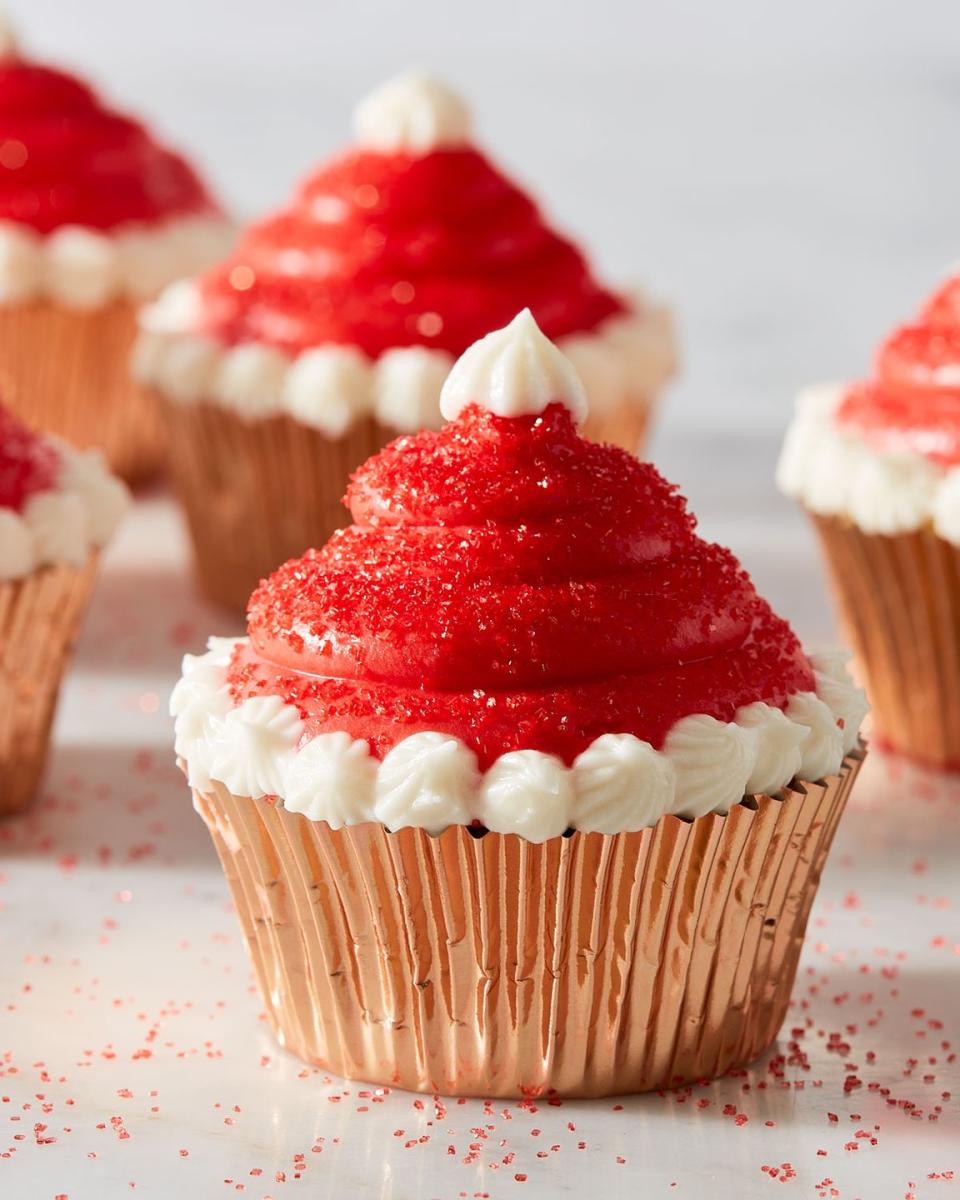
527,793
513,372
412,112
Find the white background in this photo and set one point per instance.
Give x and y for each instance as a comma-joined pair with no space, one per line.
785,172
788,177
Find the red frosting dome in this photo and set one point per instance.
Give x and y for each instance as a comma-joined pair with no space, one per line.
518,587
913,402
66,160
379,250
29,463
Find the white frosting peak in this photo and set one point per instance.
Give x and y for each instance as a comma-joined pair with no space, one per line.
513,372
412,112
428,781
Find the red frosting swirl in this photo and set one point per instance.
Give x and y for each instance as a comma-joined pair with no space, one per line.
383,250
913,402
518,587
66,160
29,463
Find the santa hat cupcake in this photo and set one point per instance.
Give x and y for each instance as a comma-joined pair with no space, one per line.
518,783
877,465
95,217
58,506
334,323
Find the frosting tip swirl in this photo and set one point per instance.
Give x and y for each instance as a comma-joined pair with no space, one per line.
514,372
412,112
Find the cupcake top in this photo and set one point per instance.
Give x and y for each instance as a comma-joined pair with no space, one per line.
57,504
885,452
389,261
91,207
521,629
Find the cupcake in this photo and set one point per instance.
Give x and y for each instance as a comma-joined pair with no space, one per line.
877,466
334,323
517,783
95,217
58,506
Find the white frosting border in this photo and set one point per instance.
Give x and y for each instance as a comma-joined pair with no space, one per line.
628,357
64,524
833,472
83,268
431,780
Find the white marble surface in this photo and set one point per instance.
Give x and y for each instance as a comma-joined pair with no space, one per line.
134,1059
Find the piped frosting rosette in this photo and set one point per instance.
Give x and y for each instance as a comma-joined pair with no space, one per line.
885,452
91,206
389,261
57,504
520,632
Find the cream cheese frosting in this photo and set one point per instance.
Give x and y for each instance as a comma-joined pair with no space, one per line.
412,112
86,269
629,356
63,525
430,780
833,472
515,371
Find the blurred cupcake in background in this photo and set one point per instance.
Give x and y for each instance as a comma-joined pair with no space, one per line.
517,782
58,506
95,217
333,324
877,465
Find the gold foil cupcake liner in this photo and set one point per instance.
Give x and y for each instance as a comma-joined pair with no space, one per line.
627,426
257,493
39,620
588,965
900,603
68,373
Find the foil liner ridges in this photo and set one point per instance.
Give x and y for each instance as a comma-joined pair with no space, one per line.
68,373
589,965
257,493
39,619
900,603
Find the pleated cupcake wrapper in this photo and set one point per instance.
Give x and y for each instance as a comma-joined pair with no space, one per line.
39,620
627,426
257,493
589,965
900,602
68,373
